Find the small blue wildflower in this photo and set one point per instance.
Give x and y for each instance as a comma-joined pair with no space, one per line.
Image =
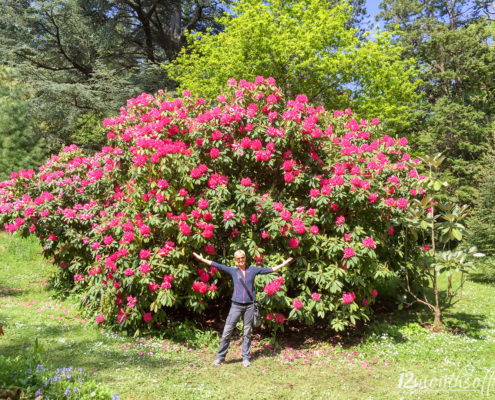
80,370
67,393
39,366
29,371
116,396
68,377
24,346
56,378
38,393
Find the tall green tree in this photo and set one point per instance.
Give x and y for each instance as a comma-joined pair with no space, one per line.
453,43
83,58
308,46
482,222
20,146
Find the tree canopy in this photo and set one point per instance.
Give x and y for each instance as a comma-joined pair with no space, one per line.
453,43
83,58
308,48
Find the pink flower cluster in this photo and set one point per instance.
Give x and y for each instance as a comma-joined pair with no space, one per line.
274,286
348,298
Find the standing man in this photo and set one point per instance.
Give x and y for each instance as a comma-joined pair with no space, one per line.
242,302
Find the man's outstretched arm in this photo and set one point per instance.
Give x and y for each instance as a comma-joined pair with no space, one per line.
286,262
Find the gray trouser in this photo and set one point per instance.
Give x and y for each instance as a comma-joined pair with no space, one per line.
236,310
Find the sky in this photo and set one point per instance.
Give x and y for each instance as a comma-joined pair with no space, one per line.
372,7
373,10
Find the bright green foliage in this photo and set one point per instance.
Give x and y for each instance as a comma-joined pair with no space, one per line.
20,148
453,43
308,47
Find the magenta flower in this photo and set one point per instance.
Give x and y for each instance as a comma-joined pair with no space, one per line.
293,243
390,201
286,215
227,214
246,143
203,204
279,318
108,240
349,252
185,229
300,228
128,237
214,152
314,193
144,254
369,242
315,296
144,268
402,203
147,317
100,318
210,249
314,229
372,197
374,293
288,177
246,181
297,304
348,298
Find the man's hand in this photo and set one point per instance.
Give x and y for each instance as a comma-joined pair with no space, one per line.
201,258
289,260
284,263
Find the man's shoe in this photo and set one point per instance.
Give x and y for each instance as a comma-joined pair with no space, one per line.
246,363
217,362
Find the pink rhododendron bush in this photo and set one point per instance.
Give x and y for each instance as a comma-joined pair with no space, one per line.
255,171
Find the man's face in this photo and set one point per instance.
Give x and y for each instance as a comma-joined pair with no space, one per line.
240,260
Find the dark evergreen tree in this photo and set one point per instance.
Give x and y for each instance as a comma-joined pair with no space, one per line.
453,42
20,147
83,58
482,222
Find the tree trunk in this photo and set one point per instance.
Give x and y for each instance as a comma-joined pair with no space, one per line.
437,322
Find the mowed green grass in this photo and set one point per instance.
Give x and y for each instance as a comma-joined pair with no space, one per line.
393,358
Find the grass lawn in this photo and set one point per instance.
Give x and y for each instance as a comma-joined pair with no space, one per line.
394,358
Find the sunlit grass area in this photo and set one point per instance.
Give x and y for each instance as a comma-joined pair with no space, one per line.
393,357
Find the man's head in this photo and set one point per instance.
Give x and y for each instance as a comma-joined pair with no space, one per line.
240,258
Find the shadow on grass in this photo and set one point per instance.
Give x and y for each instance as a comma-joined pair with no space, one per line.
86,354
486,278
394,322
10,291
